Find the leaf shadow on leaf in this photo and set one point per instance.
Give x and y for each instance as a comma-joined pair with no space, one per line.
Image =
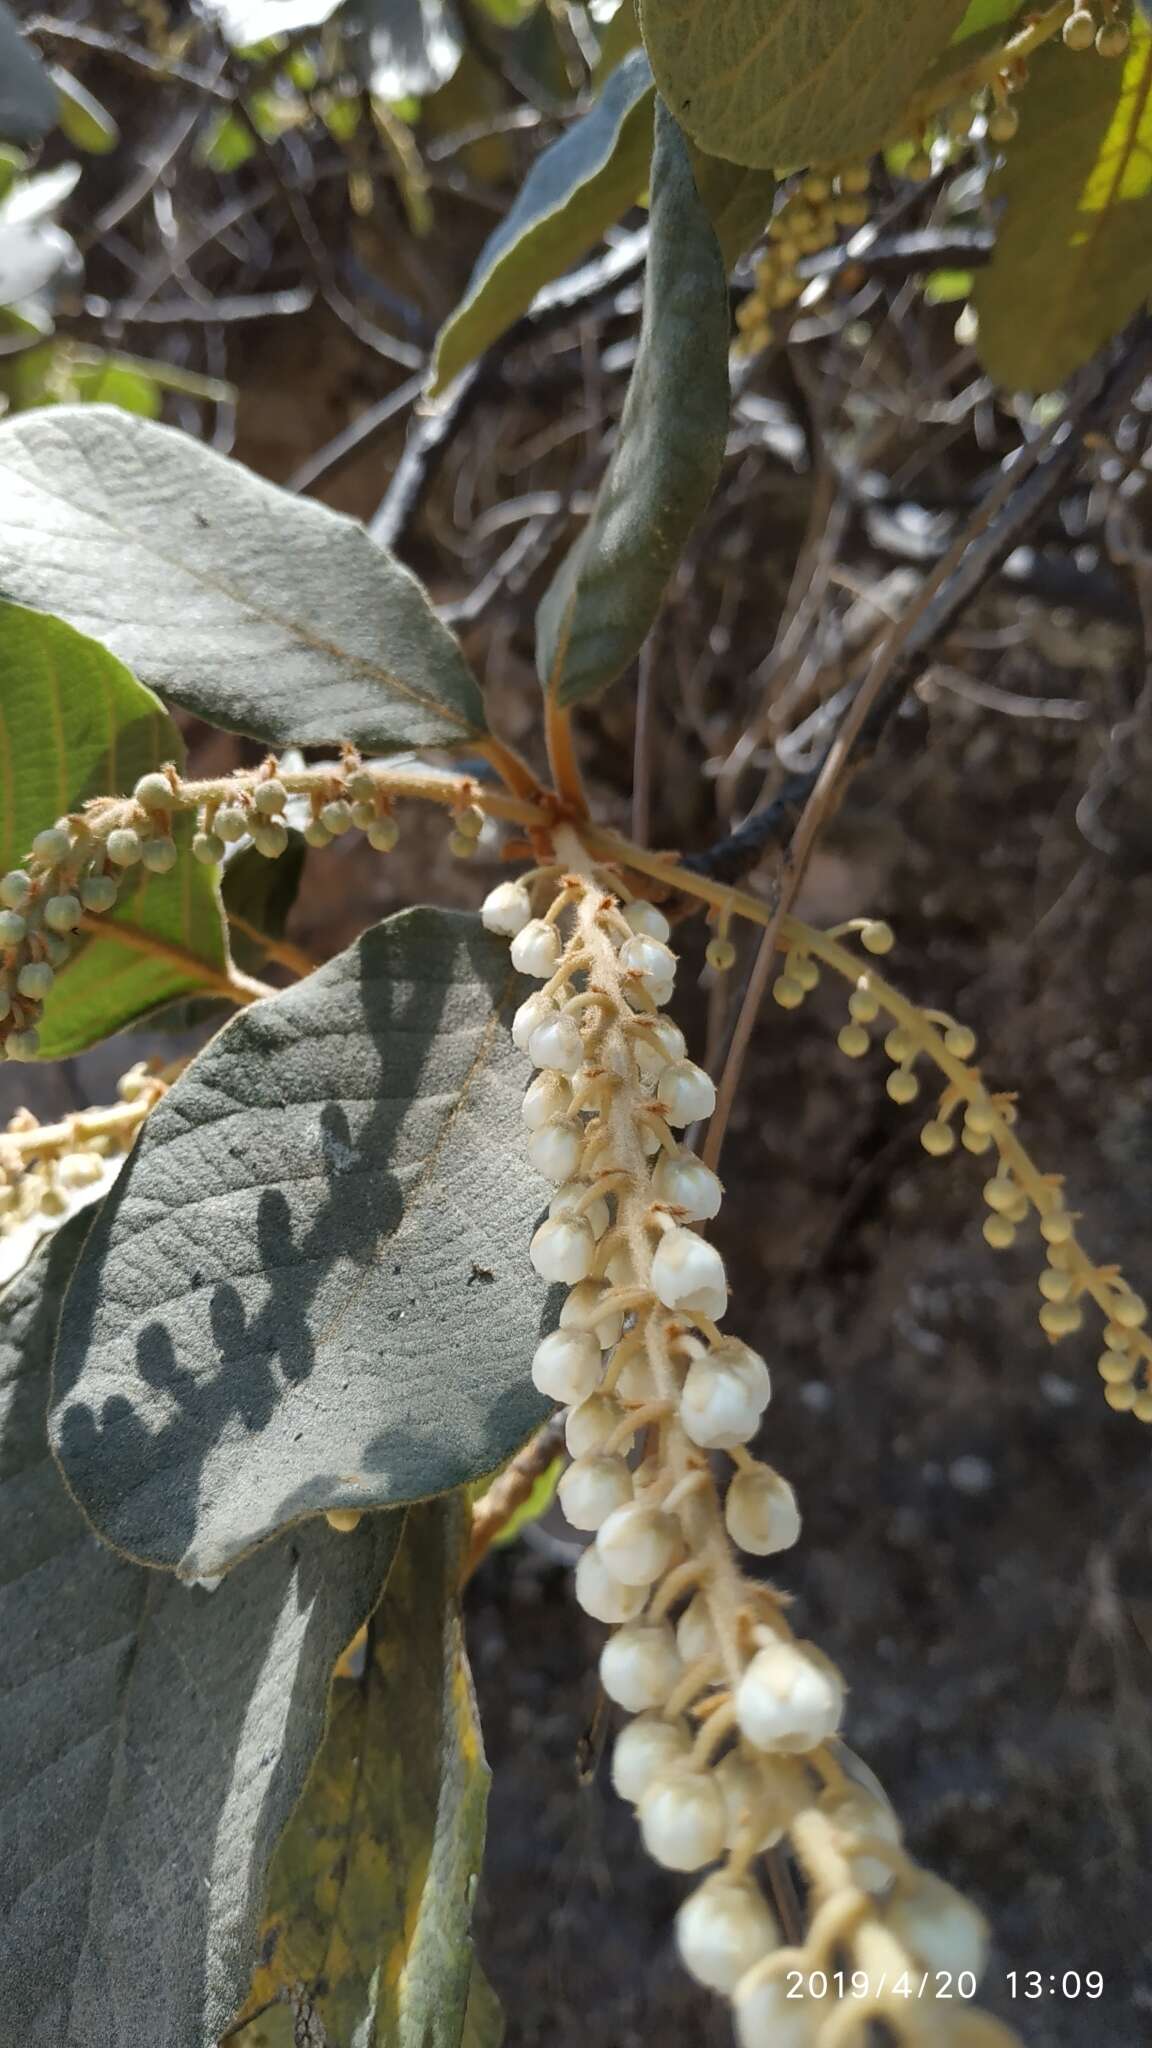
157,1738
150,1485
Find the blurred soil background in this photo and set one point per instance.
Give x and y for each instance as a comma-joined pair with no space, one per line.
977,1549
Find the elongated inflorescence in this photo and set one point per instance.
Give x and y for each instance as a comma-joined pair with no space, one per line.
734,1747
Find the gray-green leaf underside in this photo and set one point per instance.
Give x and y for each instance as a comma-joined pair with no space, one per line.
264,613
778,83
154,1737
574,191
27,94
595,615
310,1287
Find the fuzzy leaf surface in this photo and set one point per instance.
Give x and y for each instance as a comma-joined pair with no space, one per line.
738,201
776,83
310,1286
263,613
27,94
596,613
369,1903
573,192
154,1737
1075,241
74,723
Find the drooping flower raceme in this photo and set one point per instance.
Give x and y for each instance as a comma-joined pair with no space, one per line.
734,1747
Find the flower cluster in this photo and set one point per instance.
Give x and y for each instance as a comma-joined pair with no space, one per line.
46,1170
968,1117
734,1744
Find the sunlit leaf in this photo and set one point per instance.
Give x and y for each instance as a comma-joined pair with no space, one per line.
597,611
263,612
573,192
75,724
154,1737
781,82
310,1287
1075,243
370,1899
85,122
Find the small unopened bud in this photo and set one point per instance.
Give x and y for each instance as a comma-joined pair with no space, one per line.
685,1092
604,1597
1079,31
316,834
646,1750
719,1407
568,1199
555,1149
723,1930
536,949
591,1490
584,1310
720,955
566,1366
506,909
644,917
34,980
652,961
382,834
537,1009
52,846
63,913
13,929
639,1665
230,823
154,793
343,1519
159,855
659,1041
270,838
637,1544
688,1273
336,816
939,1925
98,893
790,1698
877,937
557,1043
547,1097
682,1820
755,1806
270,797
1112,39
563,1249
589,1425
123,847
686,1183
22,1045
15,889
761,1513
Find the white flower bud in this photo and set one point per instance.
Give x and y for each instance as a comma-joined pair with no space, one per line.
638,1544
602,1596
866,1818
566,1366
639,1665
651,960
718,1409
563,1249
589,1425
154,792
682,1820
63,913
661,992
557,1043
566,1202
555,1149
583,1311
547,1096
269,797
695,1635
684,1092
52,846
768,2017
686,1183
747,1788
688,1273
644,917
724,1930
940,1926
634,1381
591,1489
536,949
506,909
534,1010
761,1512
740,1357
790,1698
660,1041
646,1750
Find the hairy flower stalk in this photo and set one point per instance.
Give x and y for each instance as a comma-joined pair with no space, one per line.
734,1746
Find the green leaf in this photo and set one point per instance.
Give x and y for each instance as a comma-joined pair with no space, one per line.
262,612
776,83
27,95
981,15
1073,256
369,1905
75,724
738,200
154,1738
84,121
596,613
310,1287
573,192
